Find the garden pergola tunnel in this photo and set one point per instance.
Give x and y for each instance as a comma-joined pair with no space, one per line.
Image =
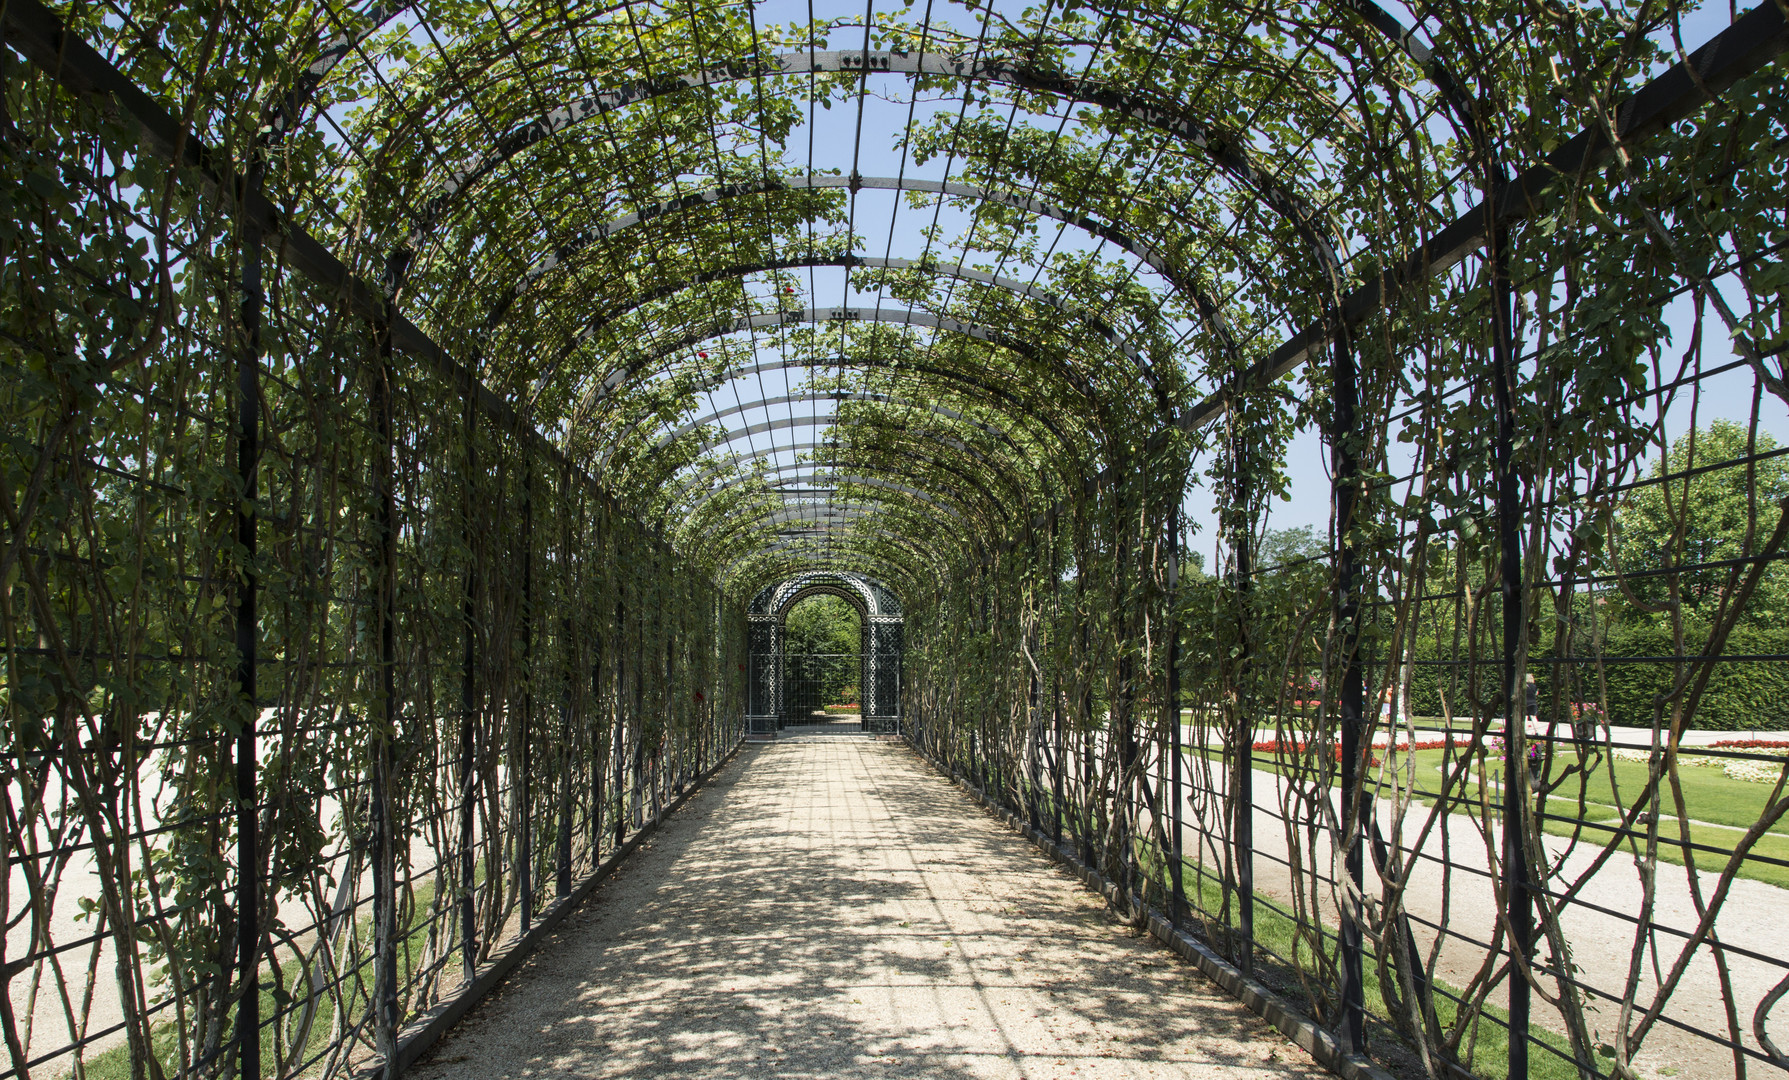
406,404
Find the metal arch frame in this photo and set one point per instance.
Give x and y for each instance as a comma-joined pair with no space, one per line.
898,61
693,482
848,262
1223,151
843,480
842,512
921,557
845,512
777,600
884,560
939,438
764,602
767,616
784,363
781,613
935,462
929,560
957,500
791,422
783,424
900,539
937,410
1143,252
714,466
828,510
862,480
797,316
1676,93
830,395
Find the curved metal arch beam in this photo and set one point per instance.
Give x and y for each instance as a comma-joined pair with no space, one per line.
887,569
716,465
1143,252
1404,39
846,540
849,262
836,536
831,395
829,512
283,108
842,480
859,588
938,438
841,513
785,423
952,511
1224,151
818,316
863,480
785,363
938,463
826,589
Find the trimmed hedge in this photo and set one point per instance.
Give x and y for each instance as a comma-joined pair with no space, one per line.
1742,695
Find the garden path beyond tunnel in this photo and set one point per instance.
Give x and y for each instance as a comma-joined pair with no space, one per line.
834,907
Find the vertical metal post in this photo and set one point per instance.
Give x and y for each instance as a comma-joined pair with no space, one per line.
562,880
1242,785
1177,853
1350,701
525,796
468,808
384,863
599,752
618,736
1058,756
248,632
1518,901
568,651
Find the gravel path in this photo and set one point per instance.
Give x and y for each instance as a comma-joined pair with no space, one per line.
832,907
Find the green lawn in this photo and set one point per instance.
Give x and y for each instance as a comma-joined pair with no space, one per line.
1719,807
1489,1057
114,1064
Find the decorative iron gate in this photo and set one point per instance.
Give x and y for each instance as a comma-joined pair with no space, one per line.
778,682
817,685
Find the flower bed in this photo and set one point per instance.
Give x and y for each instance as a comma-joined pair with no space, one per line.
1276,746
1750,744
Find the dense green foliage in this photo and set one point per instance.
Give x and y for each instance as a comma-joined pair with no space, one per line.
825,626
528,326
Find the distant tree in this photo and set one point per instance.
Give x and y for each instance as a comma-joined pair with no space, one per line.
1282,547
1703,520
825,624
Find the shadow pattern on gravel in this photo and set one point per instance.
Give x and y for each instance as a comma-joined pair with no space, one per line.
834,908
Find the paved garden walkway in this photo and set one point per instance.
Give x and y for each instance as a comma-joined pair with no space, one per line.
832,907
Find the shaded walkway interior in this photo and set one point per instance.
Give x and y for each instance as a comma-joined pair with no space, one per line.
836,908
1213,414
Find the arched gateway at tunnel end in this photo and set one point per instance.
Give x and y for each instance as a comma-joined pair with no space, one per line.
769,696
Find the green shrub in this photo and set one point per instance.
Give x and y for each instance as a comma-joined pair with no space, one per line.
1742,695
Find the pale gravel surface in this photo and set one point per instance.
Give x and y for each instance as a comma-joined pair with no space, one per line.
832,907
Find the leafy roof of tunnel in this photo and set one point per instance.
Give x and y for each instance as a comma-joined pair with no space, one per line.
873,288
